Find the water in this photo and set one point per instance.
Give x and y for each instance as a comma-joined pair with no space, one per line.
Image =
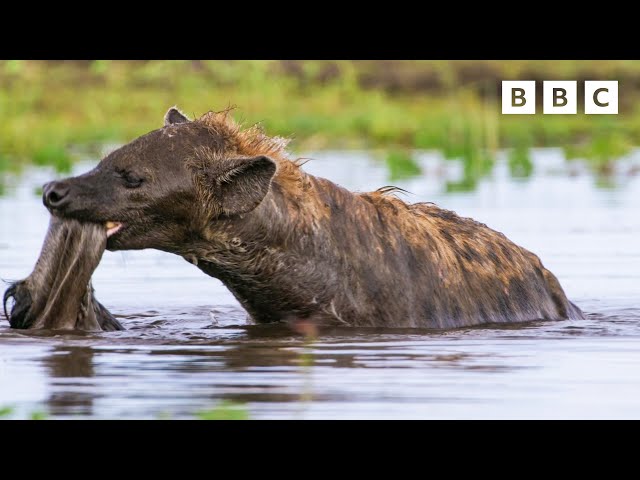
187,348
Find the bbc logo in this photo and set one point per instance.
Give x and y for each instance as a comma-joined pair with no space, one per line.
559,97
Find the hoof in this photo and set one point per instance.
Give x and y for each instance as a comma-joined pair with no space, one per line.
18,315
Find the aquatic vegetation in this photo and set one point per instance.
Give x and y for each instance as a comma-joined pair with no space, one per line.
6,411
454,106
55,155
401,165
520,164
225,410
601,151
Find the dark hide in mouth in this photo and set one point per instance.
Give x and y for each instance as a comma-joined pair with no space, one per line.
58,294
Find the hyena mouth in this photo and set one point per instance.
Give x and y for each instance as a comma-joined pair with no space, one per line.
112,228
58,294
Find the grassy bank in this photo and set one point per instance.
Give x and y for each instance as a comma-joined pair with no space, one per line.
51,108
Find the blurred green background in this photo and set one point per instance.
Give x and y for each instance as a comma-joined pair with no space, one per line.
55,111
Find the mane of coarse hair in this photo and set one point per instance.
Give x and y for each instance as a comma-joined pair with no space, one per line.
253,141
249,141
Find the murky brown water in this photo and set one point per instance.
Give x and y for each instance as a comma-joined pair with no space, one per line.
186,347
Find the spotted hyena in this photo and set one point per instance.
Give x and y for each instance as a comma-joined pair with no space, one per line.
292,246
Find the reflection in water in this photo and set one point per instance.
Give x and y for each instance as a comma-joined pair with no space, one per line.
187,346
68,369
347,373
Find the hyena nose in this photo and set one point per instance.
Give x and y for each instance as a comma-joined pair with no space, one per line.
55,195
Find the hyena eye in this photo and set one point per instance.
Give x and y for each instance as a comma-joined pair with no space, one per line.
131,180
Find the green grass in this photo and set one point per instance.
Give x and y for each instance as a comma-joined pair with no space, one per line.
401,165
51,108
54,155
225,410
8,411
520,164
38,415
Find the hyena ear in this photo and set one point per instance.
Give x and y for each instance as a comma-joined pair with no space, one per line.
174,116
245,183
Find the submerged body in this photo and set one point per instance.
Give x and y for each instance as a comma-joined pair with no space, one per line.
370,259
294,247
58,294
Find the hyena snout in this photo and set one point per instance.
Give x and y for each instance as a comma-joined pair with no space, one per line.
55,195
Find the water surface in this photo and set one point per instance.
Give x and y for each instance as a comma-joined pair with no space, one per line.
187,346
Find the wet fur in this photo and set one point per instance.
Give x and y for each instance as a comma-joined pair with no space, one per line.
58,293
312,249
